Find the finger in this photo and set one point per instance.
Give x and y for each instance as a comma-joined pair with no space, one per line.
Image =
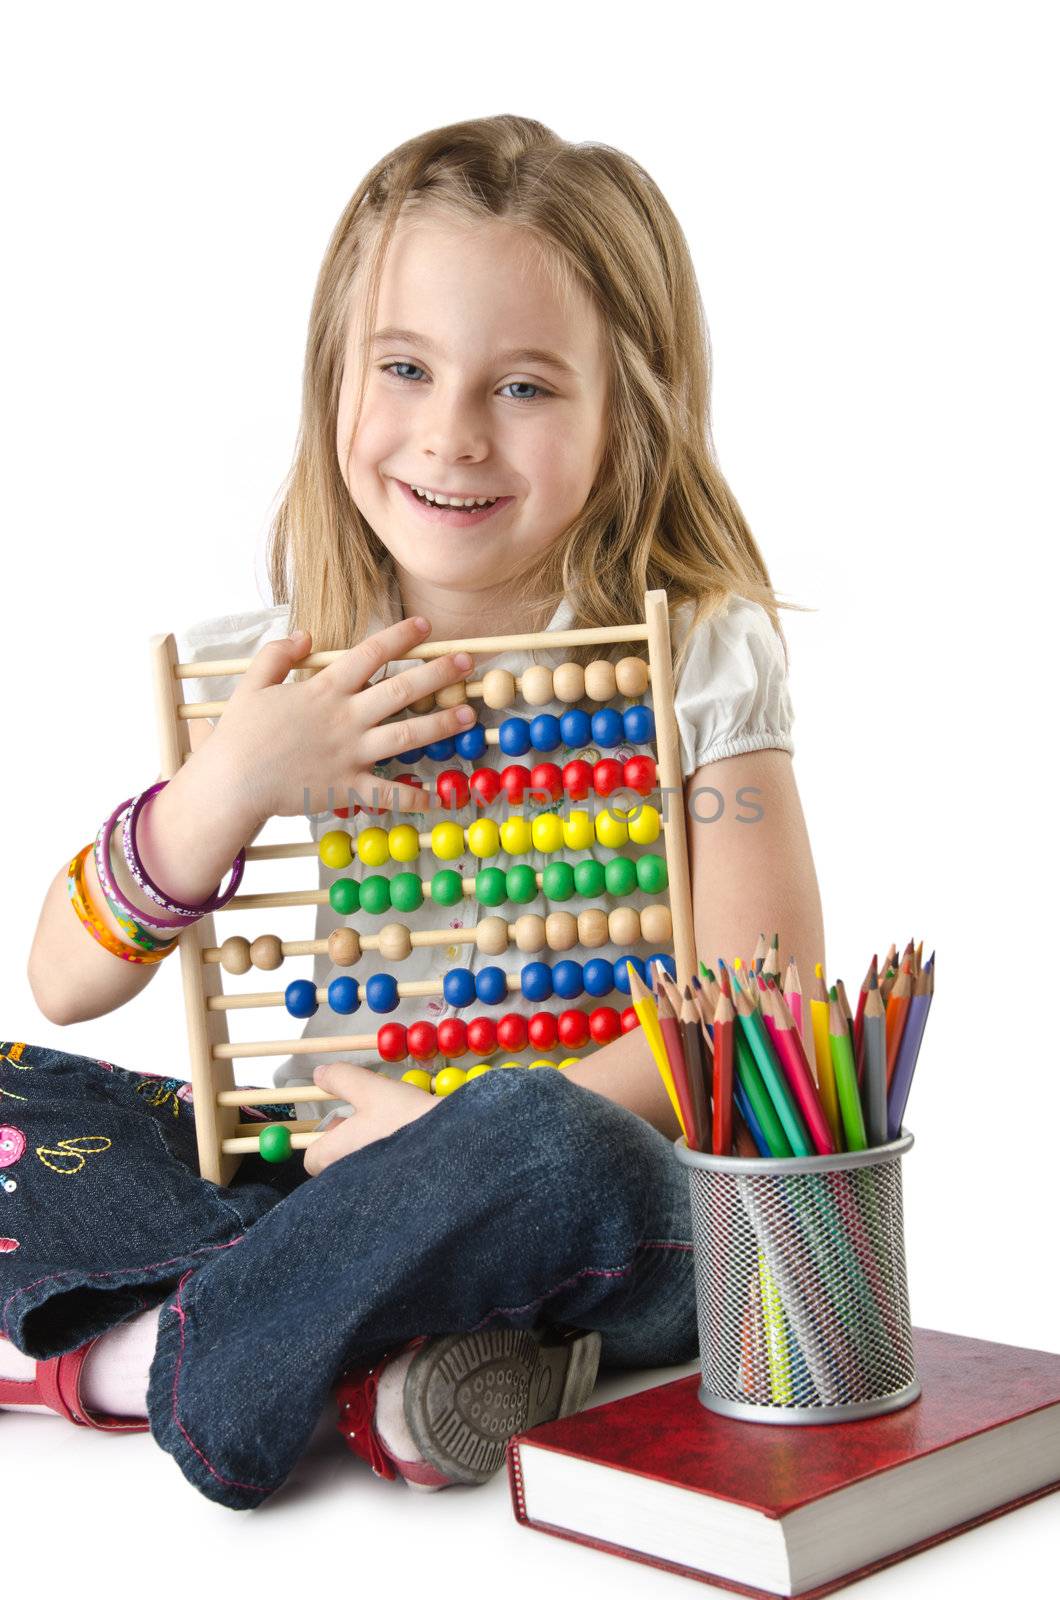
412,733
353,669
392,794
274,661
401,689
339,1078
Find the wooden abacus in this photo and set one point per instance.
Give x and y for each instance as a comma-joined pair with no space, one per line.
222,1139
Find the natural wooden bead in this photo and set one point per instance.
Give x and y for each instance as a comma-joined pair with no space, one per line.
454,694
568,682
491,936
530,933
266,952
536,685
592,928
631,676
656,924
623,924
235,956
421,706
600,680
395,942
498,688
344,946
561,930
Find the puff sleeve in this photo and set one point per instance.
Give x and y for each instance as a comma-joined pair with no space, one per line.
732,695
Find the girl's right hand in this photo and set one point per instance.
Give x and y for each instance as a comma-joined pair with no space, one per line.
285,744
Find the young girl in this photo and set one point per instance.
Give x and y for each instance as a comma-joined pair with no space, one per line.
509,321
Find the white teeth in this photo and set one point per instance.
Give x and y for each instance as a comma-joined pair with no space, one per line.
449,500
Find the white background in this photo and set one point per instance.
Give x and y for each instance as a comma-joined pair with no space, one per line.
868,193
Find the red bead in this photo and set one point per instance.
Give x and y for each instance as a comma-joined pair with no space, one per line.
639,774
452,788
577,779
391,1041
482,1036
514,781
573,1028
629,1020
542,1030
422,1040
452,1036
548,778
604,1024
607,775
341,811
511,1031
485,783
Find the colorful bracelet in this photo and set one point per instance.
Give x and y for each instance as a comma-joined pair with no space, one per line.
213,902
78,895
155,923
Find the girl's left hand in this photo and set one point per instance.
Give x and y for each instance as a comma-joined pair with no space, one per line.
380,1106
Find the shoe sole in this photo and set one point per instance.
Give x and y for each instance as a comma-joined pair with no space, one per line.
466,1394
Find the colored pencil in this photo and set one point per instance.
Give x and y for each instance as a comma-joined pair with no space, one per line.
874,1078
912,1037
644,1006
823,1054
846,1078
797,1070
724,1023
773,1077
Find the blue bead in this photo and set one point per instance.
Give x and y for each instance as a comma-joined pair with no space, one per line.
567,979
514,736
300,997
343,996
536,981
381,992
622,976
575,728
599,976
665,961
407,757
472,742
639,724
491,986
441,750
458,986
544,731
608,729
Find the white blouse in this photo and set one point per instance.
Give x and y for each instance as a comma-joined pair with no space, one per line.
732,696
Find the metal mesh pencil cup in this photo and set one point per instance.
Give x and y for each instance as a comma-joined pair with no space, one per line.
801,1292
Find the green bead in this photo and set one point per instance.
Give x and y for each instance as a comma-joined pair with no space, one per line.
446,887
345,896
651,874
406,891
375,894
557,880
274,1142
589,878
522,885
491,887
620,876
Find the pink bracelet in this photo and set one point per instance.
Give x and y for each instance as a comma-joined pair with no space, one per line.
109,883
213,902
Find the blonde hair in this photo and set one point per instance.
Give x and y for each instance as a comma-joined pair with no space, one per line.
660,514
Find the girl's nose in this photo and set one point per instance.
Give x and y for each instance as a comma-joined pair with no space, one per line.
454,429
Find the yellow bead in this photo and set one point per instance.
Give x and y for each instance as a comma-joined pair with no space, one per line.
505,1064
448,1079
478,1070
644,825
534,1064
418,1078
547,831
447,840
404,842
571,1061
483,838
611,830
372,847
515,835
335,849
578,830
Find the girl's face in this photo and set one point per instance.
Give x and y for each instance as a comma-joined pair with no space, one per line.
480,383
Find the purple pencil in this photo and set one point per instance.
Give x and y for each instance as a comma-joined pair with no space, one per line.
909,1049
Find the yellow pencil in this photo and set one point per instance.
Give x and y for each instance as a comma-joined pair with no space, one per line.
644,1006
822,1050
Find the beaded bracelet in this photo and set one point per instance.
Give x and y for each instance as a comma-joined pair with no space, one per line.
139,872
78,894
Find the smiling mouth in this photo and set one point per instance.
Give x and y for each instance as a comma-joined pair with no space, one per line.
433,497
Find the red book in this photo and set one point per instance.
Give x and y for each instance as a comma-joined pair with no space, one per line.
794,1510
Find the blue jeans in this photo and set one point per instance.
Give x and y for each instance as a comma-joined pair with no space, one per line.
522,1199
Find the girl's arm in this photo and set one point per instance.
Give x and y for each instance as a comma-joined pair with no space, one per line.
752,871
191,833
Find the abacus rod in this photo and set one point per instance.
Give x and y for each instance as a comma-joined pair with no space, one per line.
560,639
668,765
292,1095
244,1147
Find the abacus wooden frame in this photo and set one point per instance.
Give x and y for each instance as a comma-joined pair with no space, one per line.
222,1139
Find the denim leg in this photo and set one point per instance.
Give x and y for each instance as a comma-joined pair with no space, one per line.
521,1199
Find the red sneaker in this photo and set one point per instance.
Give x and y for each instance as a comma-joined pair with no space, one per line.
57,1384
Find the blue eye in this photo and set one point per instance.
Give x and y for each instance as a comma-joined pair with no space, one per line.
516,383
